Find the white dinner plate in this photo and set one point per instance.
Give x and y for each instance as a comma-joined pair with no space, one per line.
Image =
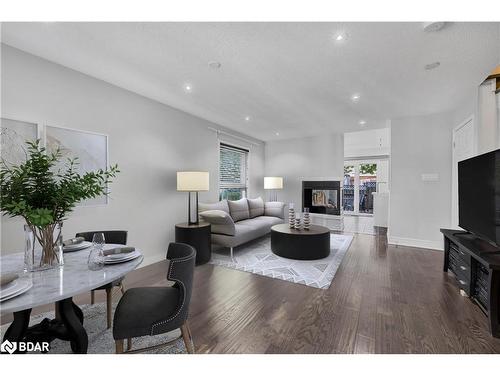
9,288
76,247
22,287
120,258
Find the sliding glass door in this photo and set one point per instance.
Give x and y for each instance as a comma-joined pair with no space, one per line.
348,191
360,181
367,186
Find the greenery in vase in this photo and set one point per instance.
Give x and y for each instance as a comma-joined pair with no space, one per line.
44,195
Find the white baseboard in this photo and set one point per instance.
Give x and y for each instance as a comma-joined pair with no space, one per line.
414,242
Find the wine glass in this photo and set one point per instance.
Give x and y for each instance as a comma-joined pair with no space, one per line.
96,256
98,240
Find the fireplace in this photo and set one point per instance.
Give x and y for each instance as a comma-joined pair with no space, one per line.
321,197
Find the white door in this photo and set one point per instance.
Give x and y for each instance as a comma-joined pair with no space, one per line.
463,148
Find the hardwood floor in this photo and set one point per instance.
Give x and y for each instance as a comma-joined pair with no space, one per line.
384,299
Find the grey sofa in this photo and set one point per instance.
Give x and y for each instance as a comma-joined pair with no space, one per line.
237,222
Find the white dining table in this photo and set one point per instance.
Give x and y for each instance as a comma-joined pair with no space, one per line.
58,285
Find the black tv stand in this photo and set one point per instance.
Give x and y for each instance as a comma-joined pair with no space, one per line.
476,266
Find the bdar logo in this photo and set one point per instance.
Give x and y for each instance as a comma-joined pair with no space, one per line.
9,347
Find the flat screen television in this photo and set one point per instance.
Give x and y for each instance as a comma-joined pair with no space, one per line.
479,196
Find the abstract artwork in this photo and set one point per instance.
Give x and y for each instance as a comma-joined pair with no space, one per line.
91,149
13,136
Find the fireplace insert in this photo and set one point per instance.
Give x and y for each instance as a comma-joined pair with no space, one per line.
321,197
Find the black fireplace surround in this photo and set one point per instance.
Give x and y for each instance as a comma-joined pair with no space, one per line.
321,197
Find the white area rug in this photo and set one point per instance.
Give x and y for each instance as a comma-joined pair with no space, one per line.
257,257
101,339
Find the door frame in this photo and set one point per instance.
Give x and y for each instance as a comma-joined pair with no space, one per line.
356,163
454,168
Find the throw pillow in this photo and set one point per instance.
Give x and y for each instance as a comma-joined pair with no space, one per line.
256,207
222,206
239,209
275,209
221,222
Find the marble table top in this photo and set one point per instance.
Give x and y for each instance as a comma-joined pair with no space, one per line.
62,282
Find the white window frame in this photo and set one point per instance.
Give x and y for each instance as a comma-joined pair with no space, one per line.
243,149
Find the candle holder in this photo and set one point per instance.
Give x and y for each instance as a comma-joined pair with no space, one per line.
291,215
306,219
298,224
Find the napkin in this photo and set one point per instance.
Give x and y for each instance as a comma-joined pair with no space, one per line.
118,250
7,278
73,241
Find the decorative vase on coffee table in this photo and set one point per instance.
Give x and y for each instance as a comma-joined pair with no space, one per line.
297,223
291,216
306,219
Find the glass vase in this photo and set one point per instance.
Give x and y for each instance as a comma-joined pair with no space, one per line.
43,247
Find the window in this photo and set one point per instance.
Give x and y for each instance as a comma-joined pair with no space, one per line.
233,172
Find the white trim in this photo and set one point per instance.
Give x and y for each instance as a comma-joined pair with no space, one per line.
454,172
218,131
415,242
356,163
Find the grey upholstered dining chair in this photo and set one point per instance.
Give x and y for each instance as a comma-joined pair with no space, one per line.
150,311
118,237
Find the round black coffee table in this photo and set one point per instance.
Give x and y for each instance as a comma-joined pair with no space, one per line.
300,243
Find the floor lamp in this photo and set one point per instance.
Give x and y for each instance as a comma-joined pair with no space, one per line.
192,182
273,184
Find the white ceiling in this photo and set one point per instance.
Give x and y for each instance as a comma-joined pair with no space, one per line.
291,78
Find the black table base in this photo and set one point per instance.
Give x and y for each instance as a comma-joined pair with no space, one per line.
67,326
300,244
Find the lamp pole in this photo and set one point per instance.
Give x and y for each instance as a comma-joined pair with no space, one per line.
197,221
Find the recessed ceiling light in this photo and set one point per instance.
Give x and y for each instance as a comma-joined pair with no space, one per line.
362,122
277,133
355,97
340,36
247,118
214,64
188,87
433,65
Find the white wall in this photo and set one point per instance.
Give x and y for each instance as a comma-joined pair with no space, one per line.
299,158
149,141
418,209
367,143
486,118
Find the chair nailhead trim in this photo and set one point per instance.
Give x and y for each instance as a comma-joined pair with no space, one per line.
172,262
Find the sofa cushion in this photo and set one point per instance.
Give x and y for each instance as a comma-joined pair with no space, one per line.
268,221
276,209
239,209
221,222
221,206
245,232
256,207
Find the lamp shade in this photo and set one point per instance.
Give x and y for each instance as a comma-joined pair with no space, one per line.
193,181
273,183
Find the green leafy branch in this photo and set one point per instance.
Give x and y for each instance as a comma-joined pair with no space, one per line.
44,196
